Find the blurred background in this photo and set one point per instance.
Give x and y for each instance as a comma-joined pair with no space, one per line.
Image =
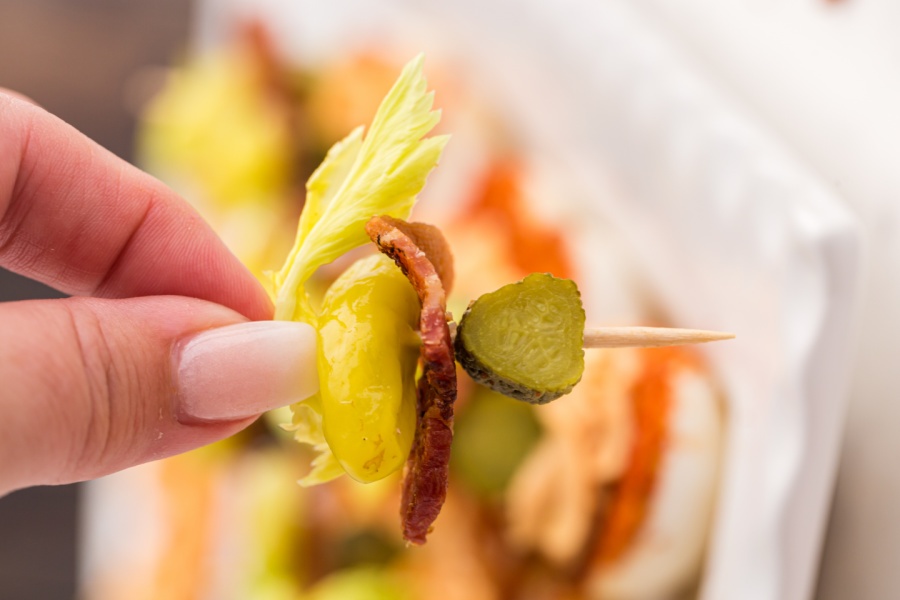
818,76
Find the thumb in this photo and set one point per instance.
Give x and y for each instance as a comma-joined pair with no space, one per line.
92,386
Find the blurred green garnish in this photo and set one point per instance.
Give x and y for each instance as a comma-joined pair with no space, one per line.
491,438
359,584
525,339
366,547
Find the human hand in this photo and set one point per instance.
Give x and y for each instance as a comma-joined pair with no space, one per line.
155,354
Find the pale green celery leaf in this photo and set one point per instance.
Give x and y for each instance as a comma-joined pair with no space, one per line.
382,175
326,180
306,426
321,188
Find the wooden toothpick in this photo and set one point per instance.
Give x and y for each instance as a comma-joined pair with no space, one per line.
648,337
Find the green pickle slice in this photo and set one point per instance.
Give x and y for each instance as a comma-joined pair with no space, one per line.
525,340
367,365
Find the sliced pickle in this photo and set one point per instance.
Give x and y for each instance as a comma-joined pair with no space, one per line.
525,339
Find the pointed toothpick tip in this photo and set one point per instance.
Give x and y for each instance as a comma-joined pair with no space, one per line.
649,337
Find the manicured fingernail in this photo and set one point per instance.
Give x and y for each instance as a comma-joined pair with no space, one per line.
246,369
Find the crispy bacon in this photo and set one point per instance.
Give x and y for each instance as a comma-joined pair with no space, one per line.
423,255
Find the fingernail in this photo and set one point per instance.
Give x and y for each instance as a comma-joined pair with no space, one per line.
243,370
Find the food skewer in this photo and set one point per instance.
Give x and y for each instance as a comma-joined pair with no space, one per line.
648,337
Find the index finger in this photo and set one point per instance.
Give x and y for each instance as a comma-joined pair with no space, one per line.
78,218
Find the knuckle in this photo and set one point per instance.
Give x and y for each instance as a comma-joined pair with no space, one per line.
100,381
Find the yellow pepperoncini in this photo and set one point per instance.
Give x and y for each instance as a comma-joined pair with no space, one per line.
367,381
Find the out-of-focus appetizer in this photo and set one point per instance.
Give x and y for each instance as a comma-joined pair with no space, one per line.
606,493
369,417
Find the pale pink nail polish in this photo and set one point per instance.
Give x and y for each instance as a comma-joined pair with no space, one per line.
243,370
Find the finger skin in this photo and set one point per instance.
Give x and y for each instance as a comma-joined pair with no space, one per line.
76,217
18,95
88,386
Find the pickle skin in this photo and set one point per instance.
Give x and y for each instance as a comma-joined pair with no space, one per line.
506,385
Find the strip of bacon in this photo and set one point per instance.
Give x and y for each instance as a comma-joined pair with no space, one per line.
427,469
